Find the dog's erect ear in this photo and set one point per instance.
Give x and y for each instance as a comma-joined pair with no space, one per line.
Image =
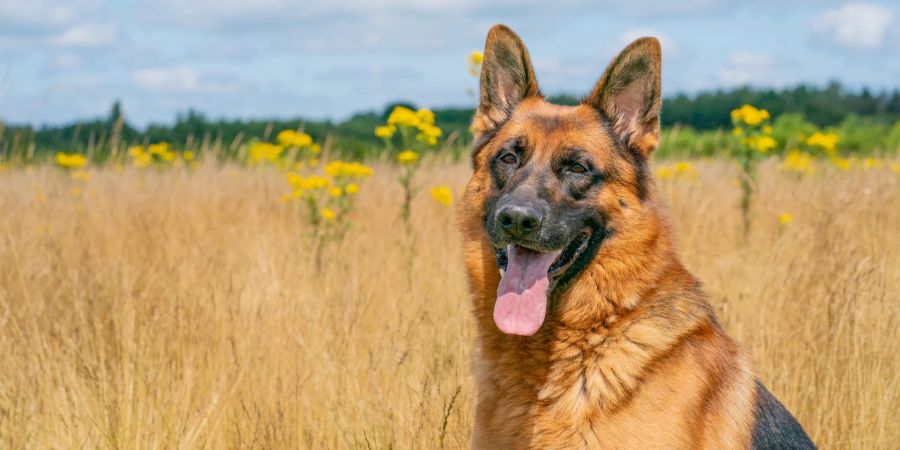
506,79
629,94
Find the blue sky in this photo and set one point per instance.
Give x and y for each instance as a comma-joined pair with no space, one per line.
62,60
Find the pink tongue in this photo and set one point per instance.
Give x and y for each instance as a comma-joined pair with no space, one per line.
522,294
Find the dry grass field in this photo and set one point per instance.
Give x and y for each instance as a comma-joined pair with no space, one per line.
184,310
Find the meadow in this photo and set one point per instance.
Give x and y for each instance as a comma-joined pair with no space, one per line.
200,308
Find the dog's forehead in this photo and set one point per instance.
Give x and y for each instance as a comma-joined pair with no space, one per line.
548,128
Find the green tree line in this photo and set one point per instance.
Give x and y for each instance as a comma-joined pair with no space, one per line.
698,118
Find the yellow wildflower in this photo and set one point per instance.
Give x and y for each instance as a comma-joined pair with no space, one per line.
825,141
665,173
291,138
158,148
761,144
474,61
310,183
766,129
797,161
188,155
404,116
785,218
313,162
337,169
161,150
428,134
737,131
871,163
408,157
294,179
750,115
139,157
336,191
143,159
426,116
352,188
334,168
685,168
386,131
476,57
766,143
682,169
315,149
264,151
70,160
443,195
328,214
315,182
841,163
168,156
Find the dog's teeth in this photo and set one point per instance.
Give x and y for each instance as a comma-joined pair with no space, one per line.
502,272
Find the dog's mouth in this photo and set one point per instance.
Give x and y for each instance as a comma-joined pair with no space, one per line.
528,276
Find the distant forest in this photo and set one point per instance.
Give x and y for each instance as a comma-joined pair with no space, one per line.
822,106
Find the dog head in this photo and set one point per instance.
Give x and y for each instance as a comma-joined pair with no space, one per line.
553,185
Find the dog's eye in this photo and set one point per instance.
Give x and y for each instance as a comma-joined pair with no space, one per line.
577,168
508,158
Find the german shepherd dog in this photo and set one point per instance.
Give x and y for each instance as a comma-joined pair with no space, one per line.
591,333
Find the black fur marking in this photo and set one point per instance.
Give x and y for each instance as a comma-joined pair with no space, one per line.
650,103
599,234
578,186
641,173
638,162
501,172
594,182
502,258
480,143
625,73
775,427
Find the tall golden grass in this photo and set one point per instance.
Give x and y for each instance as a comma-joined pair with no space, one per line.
184,310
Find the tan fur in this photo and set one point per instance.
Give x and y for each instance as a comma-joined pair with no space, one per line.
631,356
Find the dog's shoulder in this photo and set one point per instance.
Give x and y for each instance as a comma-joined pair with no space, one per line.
775,428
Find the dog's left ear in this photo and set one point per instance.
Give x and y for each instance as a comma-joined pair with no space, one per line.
507,78
628,93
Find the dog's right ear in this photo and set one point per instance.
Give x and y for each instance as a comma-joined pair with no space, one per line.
507,78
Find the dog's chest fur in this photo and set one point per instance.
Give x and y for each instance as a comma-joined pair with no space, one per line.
631,384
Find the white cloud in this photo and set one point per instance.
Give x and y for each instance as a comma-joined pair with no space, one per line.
18,16
223,14
170,79
746,68
87,36
326,25
183,80
854,26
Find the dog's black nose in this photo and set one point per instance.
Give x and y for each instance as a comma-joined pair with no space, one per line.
520,221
